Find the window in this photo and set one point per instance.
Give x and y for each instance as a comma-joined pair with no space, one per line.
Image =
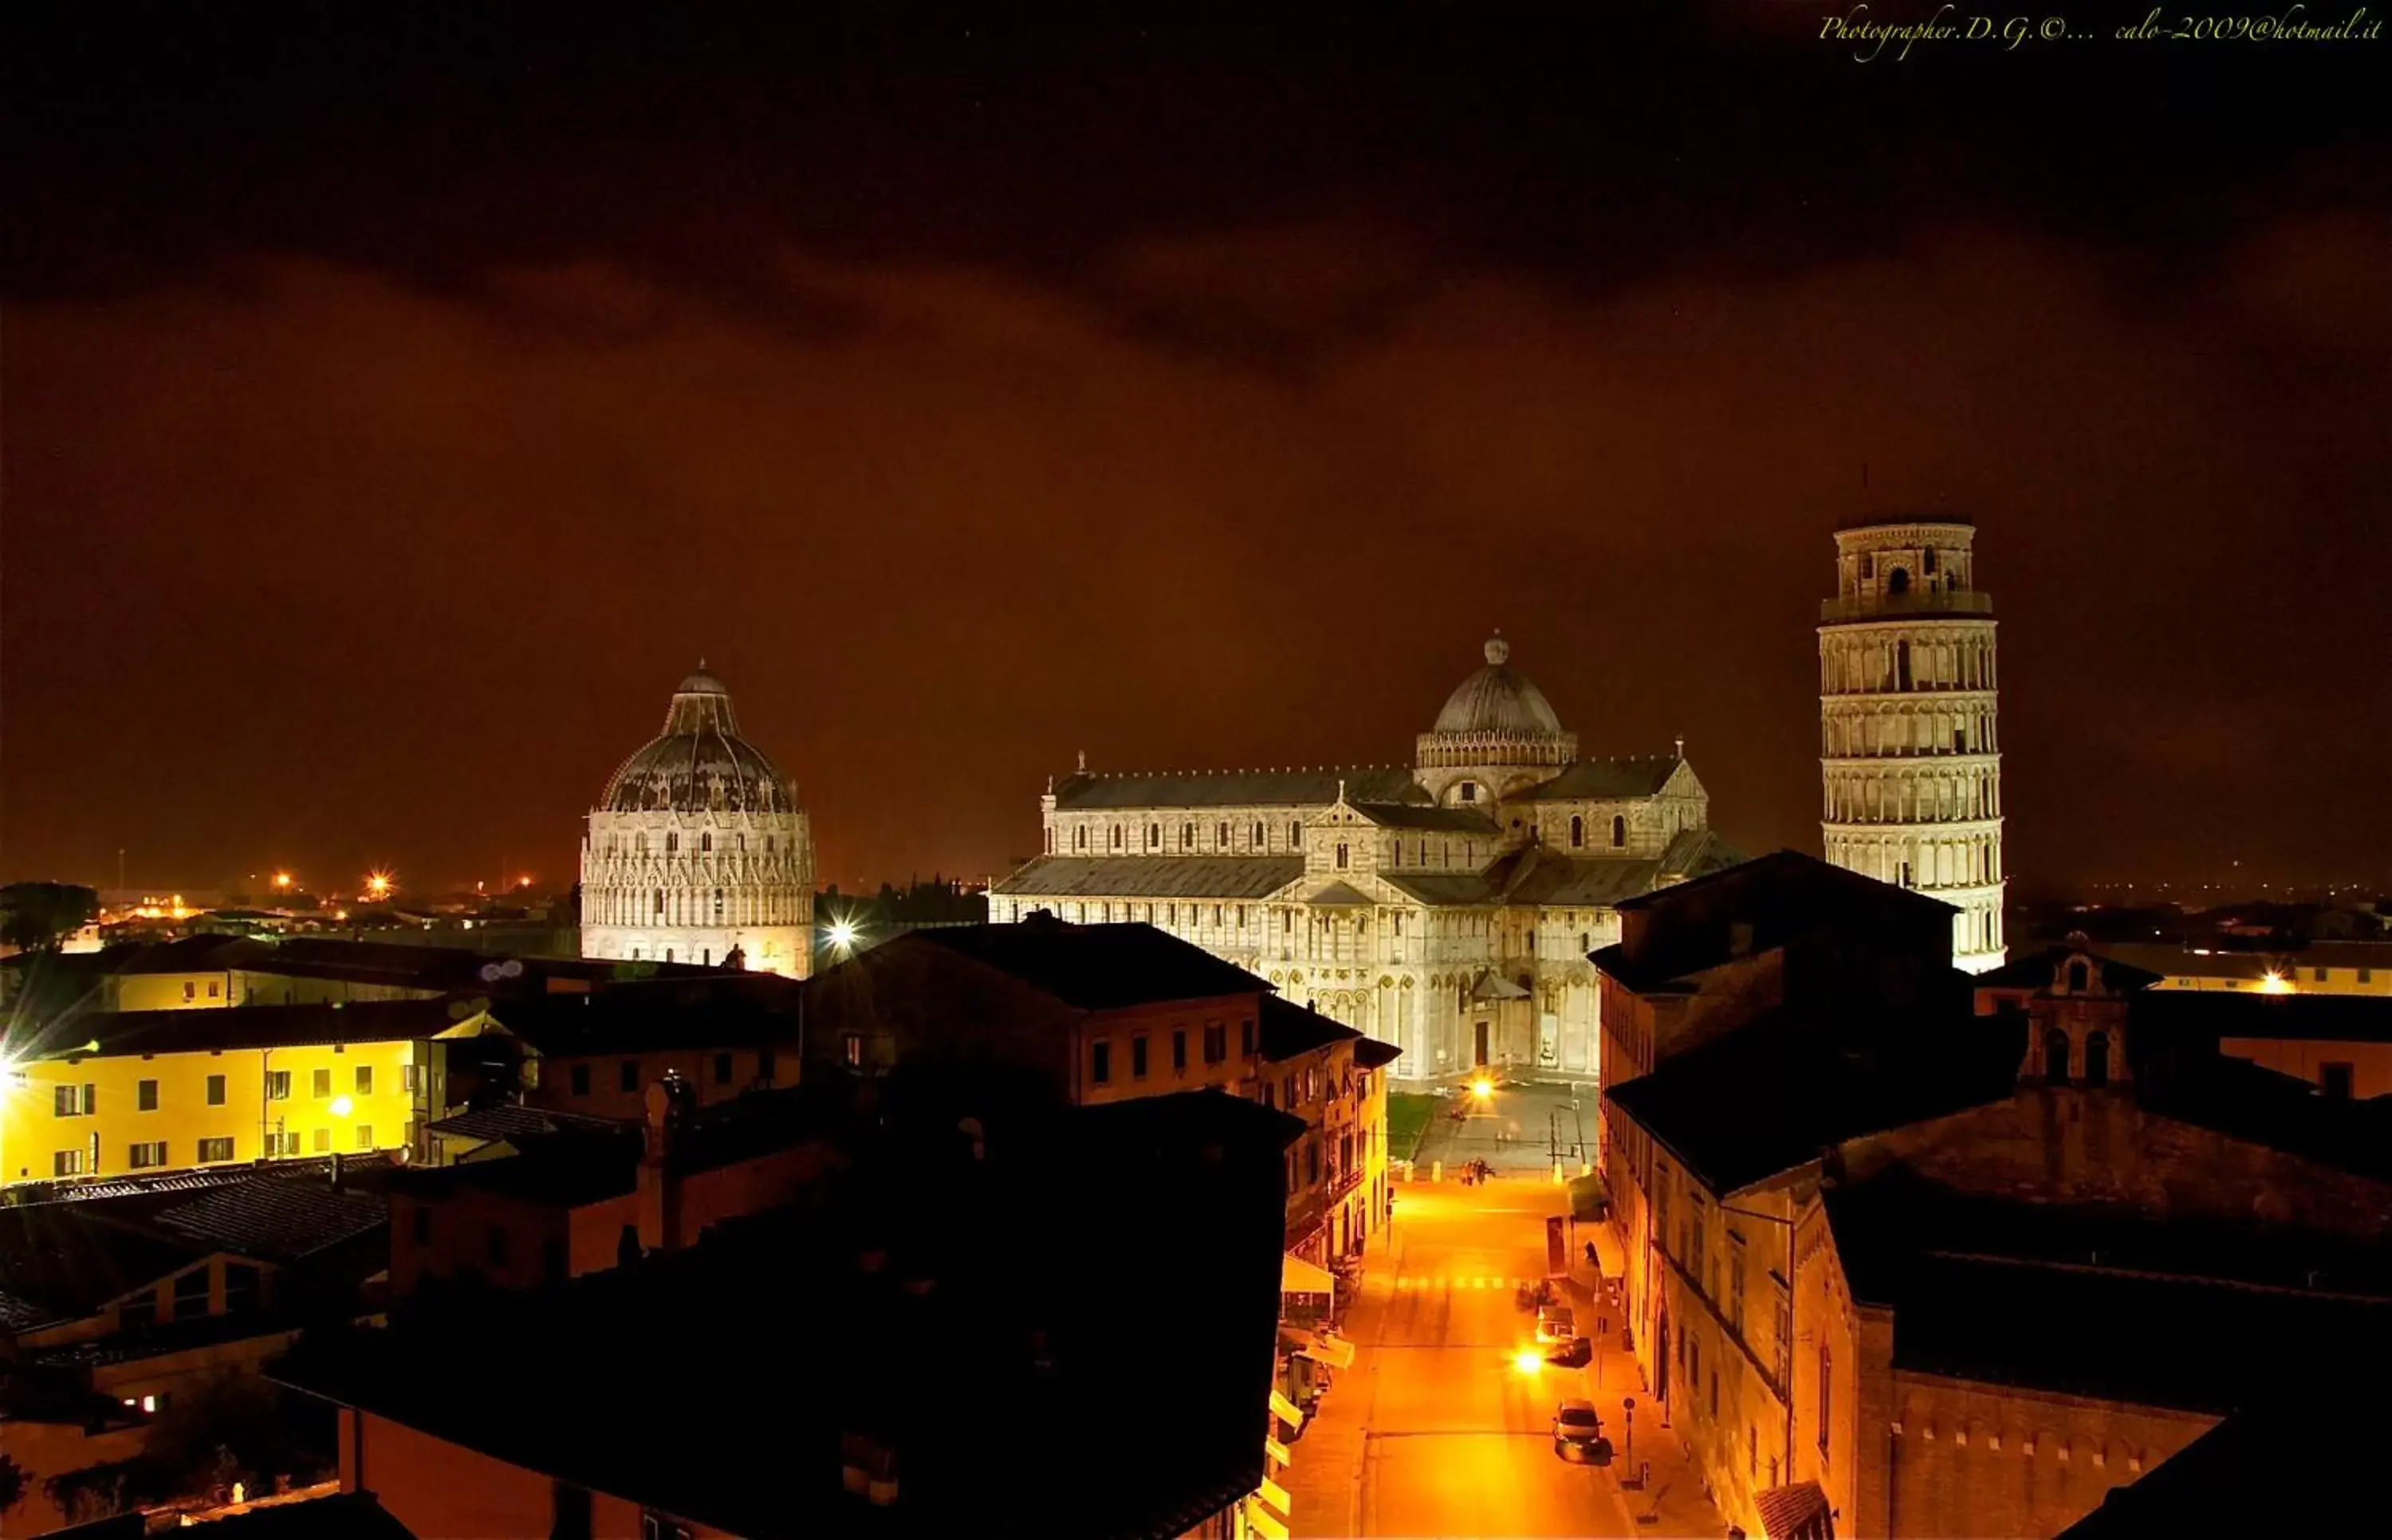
2097,1059
568,1508
706,840
215,1149
1100,1063
1826,1399
150,1154
672,842
1137,1057
723,1069
67,1101
2318,975
365,1079
215,1091
1154,836
1469,791
627,1075
1216,1042
2335,1079
1577,831
242,1282
365,1137
278,1085
323,1140
2077,977
581,1078
68,1162
1312,1163
1295,837
1259,841
1117,837
191,1295
1619,833
853,1046
1224,833
320,1086
1179,1049
2367,976
1341,858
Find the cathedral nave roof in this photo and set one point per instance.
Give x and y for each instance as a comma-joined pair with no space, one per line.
1603,780
1454,820
1261,788
1153,876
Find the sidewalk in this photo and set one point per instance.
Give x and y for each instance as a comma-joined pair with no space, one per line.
1324,1483
1641,1447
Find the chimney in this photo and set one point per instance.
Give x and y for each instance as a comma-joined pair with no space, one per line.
669,1104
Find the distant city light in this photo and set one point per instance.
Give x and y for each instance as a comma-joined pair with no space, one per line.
523,881
378,885
282,881
2274,983
842,934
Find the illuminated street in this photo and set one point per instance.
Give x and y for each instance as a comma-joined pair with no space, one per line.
1435,1430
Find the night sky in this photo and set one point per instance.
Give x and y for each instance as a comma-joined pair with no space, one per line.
394,408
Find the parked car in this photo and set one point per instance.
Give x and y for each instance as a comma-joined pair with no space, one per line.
1555,1323
1575,1353
1578,1433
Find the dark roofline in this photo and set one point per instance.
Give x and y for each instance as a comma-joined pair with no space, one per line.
1854,523
1677,891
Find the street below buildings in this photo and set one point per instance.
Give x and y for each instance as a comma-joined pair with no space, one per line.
1437,1430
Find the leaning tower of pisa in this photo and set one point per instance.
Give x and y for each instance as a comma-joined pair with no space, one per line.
1910,763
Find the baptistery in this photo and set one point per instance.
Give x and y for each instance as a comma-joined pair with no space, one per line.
698,850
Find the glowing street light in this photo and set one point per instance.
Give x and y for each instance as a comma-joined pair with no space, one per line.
524,880
282,881
1528,1361
842,934
2272,982
1482,1088
342,1106
378,885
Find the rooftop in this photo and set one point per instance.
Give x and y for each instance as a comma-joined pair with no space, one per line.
1220,877
1254,788
1091,967
989,1287
1768,1097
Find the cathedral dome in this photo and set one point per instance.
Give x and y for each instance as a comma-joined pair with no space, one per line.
699,763
1497,699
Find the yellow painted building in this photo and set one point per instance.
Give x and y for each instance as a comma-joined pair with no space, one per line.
158,1091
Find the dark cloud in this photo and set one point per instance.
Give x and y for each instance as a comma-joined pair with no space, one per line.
397,400
322,568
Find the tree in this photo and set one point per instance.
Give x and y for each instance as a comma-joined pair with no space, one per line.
12,1482
35,917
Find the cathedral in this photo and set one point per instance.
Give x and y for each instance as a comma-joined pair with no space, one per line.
1448,908
698,850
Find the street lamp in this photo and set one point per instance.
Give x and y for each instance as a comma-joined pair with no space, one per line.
1482,1088
1527,1361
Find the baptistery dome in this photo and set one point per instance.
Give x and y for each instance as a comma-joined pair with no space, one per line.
698,850
698,761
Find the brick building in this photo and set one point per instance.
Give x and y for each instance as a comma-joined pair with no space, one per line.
1916,1269
1106,1014
935,1344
